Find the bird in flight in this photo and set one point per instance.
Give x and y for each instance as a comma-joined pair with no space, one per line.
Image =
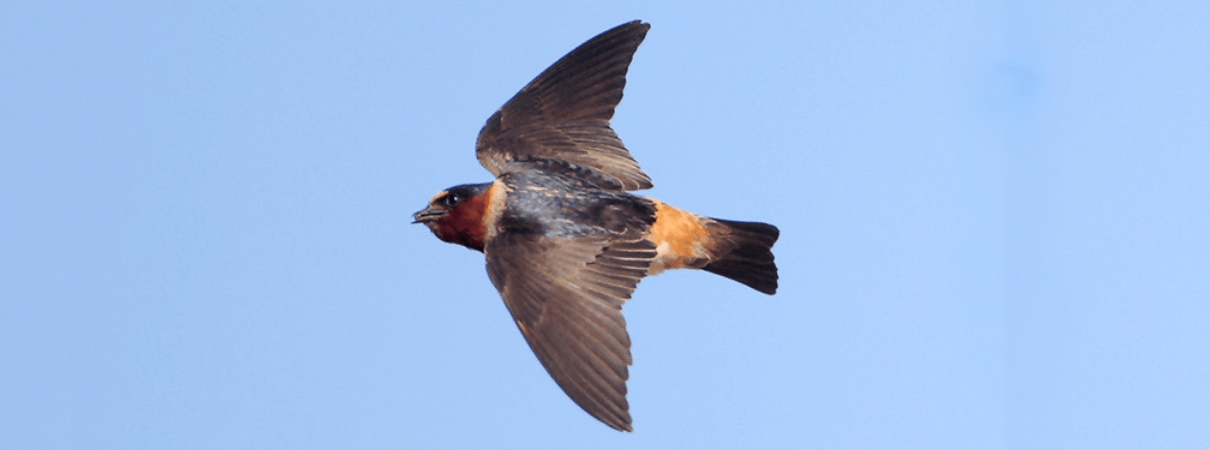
565,241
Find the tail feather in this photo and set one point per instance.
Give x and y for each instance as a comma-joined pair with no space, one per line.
743,251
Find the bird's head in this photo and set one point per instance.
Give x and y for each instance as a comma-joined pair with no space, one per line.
457,214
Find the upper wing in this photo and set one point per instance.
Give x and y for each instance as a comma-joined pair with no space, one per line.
566,296
560,121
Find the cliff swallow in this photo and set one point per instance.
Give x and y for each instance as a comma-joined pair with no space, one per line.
565,242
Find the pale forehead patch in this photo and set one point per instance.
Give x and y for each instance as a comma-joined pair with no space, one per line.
439,195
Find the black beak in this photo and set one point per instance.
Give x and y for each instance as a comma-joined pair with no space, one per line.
427,215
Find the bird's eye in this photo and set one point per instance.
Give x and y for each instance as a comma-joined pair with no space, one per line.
452,199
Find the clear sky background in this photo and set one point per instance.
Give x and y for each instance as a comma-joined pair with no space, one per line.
995,225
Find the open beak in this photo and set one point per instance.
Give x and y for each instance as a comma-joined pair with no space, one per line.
428,215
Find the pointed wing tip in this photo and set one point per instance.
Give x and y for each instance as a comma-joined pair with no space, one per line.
638,27
620,420
635,29
625,426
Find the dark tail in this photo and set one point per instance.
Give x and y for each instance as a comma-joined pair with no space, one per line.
743,251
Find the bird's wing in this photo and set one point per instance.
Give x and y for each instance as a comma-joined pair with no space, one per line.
560,121
566,295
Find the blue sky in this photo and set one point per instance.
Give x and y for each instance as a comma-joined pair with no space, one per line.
994,225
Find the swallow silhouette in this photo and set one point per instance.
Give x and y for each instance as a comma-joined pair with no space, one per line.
565,243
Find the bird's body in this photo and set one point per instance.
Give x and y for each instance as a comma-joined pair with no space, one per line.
565,242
